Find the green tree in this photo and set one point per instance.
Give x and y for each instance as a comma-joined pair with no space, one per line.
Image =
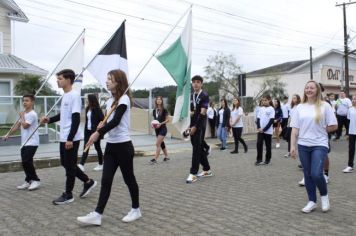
29,84
224,70
140,93
91,88
271,86
171,102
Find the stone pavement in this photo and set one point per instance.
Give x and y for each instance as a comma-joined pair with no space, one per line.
240,199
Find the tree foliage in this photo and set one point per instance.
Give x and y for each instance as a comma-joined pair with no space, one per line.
224,70
273,87
29,84
91,88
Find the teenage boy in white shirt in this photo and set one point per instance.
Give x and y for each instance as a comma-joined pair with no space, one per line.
342,106
69,118
28,123
265,119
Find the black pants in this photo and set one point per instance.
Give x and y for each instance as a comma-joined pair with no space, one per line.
352,141
212,127
27,153
267,138
288,135
199,155
97,146
69,162
342,121
284,127
118,154
237,132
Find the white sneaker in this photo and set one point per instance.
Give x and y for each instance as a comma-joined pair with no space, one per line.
23,186
326,179
34,185
348,169
191,179
309,207
325,204
133,215
205,174
301,183
93,218
81,167
278,145
287,155
98,168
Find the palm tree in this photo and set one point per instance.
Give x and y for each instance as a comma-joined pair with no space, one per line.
29,84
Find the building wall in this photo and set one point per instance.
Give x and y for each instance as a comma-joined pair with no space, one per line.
5,28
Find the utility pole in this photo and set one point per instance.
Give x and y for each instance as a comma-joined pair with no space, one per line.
346,49
311,62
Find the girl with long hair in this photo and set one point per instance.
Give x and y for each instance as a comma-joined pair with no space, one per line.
236,122
161,115
93,116
223,122
311,122
293,105
119,151
277,120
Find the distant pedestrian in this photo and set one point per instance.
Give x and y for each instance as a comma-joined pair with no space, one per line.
223,123
342,106
351,116
311,122
285,115
236,122
293,105
265,119
161,115
277,120
211,113
93,116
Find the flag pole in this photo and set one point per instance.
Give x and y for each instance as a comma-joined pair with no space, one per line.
50,75
78,75
144,66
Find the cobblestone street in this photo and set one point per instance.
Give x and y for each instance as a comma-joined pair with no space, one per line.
240,199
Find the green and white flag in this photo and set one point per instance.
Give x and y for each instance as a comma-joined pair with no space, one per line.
177,61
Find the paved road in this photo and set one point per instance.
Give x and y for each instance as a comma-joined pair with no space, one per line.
241,199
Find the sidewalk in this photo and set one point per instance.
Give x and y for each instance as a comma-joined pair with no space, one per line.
47,155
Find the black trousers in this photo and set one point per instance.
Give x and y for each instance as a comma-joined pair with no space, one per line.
237,132
118,155
284,126
69,162
342,121
288,135
97,146
267,138
212,127
352,141
27,154
199,155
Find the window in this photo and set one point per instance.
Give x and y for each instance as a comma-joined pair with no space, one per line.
5,90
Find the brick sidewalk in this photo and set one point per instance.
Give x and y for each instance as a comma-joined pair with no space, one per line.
241,199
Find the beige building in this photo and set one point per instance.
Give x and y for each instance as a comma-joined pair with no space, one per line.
11,67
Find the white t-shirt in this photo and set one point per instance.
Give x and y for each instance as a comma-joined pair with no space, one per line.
120,133
291,112
210,113
31,119
343,105
234,114
221,116
89,120
352,117
311,133
284,108
265,114
71,103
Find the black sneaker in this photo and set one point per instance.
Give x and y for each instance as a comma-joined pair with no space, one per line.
222,148
166,159
259,163
246,149
233,152
63,199
266,162
153,161
300,166
87,188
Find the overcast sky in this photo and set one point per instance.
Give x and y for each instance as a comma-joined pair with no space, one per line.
258,33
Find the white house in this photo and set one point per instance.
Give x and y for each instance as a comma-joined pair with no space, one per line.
11,67
327,69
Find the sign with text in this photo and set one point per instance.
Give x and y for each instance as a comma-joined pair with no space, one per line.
331,75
